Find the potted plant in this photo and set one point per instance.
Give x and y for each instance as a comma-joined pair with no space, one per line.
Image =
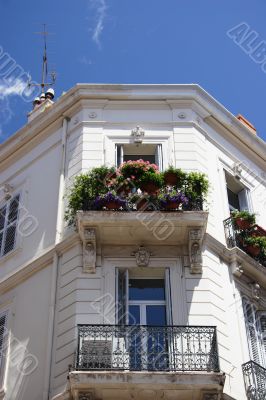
174,177
142,202
110,200
256,245
196,186
136,169
243,219
84,190
172,200
151,182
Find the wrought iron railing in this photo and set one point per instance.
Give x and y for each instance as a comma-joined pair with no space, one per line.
151,348
236,237
255,380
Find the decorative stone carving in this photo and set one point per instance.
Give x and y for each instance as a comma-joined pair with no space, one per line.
237,269
88,237
195,250
255,289
92,115
181,115
142,256
210,396
138,134
86,396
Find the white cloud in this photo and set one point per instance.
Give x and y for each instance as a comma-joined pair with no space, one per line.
100,9
8,89
12,88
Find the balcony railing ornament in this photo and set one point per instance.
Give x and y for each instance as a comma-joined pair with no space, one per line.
195,250
88,237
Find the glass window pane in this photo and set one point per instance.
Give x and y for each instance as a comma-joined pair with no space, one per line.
134,315
146,289
13,209
10,239
156,315
233,200
2,217
144,157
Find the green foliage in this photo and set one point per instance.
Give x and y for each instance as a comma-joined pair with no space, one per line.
258,241
196,186
152,178
85,188
179,175
245,215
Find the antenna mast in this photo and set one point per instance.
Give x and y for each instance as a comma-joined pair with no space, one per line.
44,82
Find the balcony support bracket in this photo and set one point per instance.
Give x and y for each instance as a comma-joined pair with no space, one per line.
88,237
195,250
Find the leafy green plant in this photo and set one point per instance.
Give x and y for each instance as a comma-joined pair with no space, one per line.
174,176
244,215
152,178
136,169
196,186
257,242
85,188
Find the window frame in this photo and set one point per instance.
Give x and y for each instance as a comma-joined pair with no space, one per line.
158,155
255,325
8,224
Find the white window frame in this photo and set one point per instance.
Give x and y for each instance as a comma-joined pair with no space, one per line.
164,140
7,225
260,356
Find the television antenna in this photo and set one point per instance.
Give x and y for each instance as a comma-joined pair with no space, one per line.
44,83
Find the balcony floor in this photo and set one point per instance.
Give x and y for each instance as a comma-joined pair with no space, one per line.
126,385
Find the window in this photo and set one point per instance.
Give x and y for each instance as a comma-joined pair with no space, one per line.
143,300
256,332
146,152
238,196
8,224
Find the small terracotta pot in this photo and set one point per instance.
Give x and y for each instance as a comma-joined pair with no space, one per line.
170,178
242,223
149,188
253,250
171,205
112,205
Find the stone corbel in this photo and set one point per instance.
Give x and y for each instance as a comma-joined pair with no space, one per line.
86,396
195,250
88,237
210,396
237,269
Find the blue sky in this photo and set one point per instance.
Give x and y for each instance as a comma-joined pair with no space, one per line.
138,41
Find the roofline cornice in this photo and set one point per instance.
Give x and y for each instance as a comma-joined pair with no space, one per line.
174,95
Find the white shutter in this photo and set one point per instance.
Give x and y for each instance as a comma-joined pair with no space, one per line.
119,154
3,321
159,157
243,200
252,332
263,337
168,300
121,296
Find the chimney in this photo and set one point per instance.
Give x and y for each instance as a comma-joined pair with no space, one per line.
247,124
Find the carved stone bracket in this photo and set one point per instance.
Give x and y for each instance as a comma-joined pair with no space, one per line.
86,396
138,134
255,290
210,396
195,250
88,237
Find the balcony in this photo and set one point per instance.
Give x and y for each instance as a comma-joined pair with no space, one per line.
145,361
236,238
255,380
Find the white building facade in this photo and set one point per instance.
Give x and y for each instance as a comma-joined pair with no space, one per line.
63,289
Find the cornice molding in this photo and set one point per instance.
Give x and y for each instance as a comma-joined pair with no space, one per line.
70,102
